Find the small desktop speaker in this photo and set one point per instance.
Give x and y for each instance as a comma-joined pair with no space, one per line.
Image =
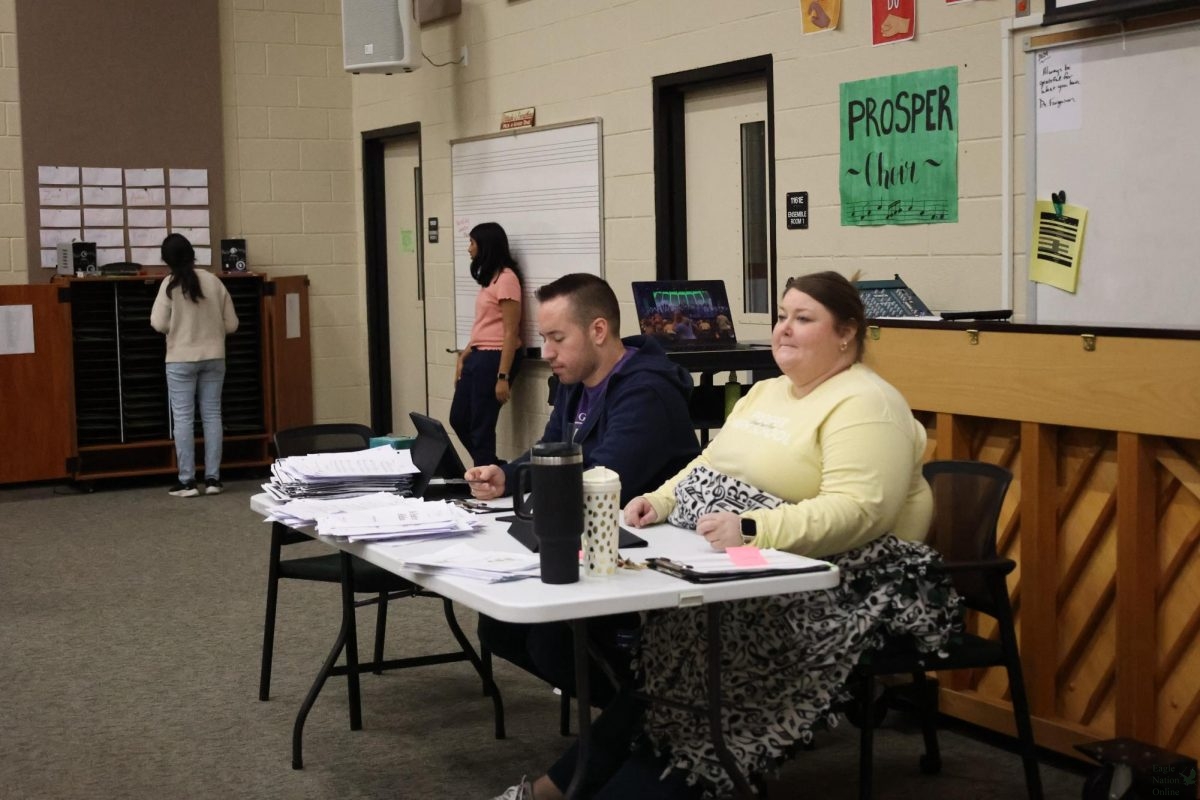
233,255
77,258
380,36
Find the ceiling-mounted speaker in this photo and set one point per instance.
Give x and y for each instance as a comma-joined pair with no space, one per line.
381,36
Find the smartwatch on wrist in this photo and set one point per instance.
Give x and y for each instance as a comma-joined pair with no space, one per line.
749,529
502,376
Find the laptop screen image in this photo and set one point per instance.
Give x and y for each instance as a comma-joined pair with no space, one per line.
685,315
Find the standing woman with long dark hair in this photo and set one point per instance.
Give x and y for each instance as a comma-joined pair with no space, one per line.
195,312
488,364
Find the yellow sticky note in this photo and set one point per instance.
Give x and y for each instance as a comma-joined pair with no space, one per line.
1057,245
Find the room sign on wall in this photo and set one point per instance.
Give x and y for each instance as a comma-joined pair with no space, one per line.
899,149
797,211
518,118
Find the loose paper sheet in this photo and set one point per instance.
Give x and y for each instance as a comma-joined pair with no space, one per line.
58,176
58,196
16,330
149,218
144,177
189,197
61,218
105,237
1059,90
146,197
190,217
103,196
51,237
147,237
101,176
104,217
147,255
189,177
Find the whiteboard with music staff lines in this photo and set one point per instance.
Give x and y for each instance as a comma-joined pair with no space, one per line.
544,186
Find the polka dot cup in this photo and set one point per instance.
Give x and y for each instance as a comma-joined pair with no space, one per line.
601,521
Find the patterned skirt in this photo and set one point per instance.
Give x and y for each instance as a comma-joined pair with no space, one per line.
785,660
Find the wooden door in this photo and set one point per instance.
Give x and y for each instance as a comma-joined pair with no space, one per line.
37,412
290,353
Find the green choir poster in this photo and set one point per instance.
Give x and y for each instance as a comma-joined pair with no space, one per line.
899,157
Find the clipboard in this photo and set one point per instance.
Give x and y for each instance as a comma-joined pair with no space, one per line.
683,571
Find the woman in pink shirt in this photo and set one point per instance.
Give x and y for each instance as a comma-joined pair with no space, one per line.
488,364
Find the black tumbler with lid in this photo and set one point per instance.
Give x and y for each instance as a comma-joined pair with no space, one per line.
553,478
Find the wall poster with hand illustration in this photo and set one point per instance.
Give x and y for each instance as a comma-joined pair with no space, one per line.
893,21
821,15
899,149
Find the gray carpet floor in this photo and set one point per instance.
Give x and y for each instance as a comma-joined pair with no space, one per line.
130,635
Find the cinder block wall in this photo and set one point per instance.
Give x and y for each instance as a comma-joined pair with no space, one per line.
574,60
13,260
290,184
292,120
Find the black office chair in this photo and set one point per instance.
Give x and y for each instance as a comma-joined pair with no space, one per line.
967,496
366,579
332,438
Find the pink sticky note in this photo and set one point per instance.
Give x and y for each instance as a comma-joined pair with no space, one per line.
746,556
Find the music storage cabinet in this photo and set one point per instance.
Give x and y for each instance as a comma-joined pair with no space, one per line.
91,401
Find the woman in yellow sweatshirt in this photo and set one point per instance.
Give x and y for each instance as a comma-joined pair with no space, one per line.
823,461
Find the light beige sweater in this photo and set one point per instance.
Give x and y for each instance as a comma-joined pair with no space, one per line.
195,331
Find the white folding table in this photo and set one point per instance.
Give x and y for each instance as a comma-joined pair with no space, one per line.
531,601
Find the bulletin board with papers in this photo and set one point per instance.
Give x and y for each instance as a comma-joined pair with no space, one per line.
121,129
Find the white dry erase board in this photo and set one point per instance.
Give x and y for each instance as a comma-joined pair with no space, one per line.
543,186
1123,145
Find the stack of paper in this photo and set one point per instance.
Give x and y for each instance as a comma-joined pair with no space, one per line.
379,469
376,517
309,511
463,560
409,519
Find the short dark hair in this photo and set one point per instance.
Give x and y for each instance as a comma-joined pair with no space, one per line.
840,297
590,297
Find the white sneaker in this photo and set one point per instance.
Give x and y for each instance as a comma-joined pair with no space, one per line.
522,791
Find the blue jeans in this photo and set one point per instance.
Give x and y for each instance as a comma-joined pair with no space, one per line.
186,380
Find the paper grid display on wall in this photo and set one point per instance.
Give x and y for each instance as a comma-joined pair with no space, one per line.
125,212
544,188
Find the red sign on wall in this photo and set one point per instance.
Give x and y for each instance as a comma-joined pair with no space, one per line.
893,21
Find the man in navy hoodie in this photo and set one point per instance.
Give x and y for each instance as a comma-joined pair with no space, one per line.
626,404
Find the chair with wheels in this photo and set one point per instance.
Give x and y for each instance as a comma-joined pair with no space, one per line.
365,578
967,497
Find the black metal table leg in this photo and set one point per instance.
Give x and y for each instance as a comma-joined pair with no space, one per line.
485,673
741,787
349,622
583,705
311,698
